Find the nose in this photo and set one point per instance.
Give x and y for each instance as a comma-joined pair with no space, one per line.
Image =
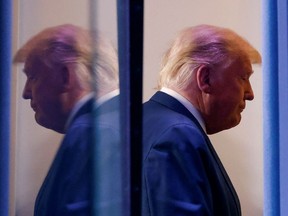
249,94
26,94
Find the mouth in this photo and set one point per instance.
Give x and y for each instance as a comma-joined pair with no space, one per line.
33,107
242,108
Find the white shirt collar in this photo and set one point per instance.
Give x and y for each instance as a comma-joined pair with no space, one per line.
77,107
185,103
106,97
86,98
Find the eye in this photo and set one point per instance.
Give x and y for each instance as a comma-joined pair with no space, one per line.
245,77
31,78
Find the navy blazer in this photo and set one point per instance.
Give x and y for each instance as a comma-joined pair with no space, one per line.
67,189
182,174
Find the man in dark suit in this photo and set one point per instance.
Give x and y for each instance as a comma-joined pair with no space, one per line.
204,84
61,74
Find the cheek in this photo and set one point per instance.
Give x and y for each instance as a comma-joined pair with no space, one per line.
43,97
228,105
234,95
39,93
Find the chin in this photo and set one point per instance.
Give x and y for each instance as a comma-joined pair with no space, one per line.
233,123
37,119
225,125
41,121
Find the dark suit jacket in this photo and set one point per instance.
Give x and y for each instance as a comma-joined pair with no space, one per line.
182,172
67,188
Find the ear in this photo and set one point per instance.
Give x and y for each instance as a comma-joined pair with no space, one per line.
203,78
65,78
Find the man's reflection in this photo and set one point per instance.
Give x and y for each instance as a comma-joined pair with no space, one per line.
59,65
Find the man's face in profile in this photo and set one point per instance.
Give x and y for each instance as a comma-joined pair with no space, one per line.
43,88
230,88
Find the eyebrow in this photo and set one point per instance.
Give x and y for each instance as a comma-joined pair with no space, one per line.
250,72
24,71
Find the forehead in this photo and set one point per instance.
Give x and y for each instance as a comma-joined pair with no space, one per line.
32,64
242,66
246,66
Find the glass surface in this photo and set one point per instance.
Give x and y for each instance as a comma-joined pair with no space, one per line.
240,149
36,146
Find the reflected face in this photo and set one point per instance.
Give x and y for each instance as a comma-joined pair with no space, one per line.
230,90
43,88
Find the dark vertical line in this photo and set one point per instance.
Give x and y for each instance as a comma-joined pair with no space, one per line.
130,47
5,79
136,31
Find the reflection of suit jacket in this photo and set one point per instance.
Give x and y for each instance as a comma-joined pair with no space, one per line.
182,172
67,188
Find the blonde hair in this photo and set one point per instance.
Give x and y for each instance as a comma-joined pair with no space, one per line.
202,45
64,44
